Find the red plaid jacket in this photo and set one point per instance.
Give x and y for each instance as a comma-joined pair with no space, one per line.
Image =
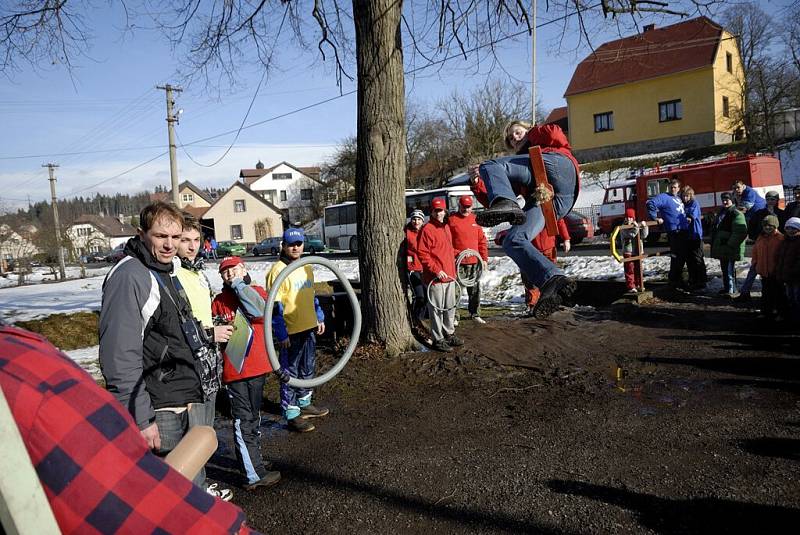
91,458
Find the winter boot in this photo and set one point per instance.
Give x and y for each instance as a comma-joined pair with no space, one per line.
300,425
442,345
501,211
310,411
271,478
454,341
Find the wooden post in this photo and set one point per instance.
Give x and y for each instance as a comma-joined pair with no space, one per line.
540,178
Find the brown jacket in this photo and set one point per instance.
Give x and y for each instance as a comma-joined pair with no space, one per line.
765,254
788,262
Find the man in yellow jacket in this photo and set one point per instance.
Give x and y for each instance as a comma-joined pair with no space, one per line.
304,320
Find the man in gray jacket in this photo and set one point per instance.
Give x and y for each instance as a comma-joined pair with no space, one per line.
147,332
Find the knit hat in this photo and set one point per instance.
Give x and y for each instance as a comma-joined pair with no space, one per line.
293,235
630,212
793,222
465,200
229,262
438,204
770,220
418,213
726,196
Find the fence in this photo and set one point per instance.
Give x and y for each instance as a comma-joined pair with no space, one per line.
592,212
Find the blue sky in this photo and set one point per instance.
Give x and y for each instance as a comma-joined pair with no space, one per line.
110,102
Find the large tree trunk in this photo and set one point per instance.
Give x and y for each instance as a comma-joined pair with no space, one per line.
380,170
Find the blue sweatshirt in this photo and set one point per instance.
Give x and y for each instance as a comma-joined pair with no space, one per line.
751,201
692,210
670,209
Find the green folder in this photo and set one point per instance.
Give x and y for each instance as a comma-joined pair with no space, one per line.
240,342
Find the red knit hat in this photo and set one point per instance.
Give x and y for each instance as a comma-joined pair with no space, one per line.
630,212
229,262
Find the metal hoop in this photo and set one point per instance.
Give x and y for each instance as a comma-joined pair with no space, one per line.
448,309
464,282
270,302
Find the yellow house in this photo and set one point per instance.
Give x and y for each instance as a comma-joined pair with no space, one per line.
665,89
189,196
242,215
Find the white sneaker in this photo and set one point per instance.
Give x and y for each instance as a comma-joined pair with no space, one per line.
223,494
478,319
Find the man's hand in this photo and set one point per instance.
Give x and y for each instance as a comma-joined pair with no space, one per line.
659,220
566,246
223,333
152,437
543,194
472,172
442,276
320,329
284,344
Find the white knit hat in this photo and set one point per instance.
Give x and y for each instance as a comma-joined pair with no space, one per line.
419,214
793,222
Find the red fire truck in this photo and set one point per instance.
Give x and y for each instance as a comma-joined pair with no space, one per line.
708,179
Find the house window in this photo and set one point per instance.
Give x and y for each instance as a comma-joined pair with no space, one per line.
236,232
729,61
281,176
603,121
670,111
283,194
238,205
306,194
188,197
270,195
726,108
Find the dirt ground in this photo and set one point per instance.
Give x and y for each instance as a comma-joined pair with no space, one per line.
674,416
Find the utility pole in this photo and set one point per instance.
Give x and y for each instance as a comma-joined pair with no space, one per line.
533,62
62,270
173,159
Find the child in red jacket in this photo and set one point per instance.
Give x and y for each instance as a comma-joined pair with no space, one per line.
414,266
245,385
435,249
467,234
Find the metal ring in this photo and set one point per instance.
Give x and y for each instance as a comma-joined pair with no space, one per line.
469,283
448,309
268,305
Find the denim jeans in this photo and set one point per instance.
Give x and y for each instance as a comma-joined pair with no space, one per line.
728,268
504,175
300,360
172,427
749,280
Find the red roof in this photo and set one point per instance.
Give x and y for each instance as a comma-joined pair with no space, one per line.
556,115
656,52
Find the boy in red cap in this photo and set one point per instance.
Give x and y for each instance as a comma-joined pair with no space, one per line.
245,385
467,234
435,249
627,237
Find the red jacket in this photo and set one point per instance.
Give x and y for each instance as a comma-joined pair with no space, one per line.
435,249
256,363
547,243
550,138
412,256
467,234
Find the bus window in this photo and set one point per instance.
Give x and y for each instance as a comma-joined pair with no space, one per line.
350,215
332,216
656,186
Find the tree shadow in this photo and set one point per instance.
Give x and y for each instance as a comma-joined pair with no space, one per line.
778,343
783,448
767,367
687,515
781,386
694,319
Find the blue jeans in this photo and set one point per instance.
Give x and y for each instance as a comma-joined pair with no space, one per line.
502,177
300,360
749,280
728,268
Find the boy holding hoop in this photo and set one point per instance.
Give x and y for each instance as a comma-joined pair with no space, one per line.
299,310
435,250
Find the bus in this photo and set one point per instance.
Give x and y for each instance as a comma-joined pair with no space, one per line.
339,224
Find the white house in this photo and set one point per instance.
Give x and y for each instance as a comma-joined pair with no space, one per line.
14,246
93,233
290,188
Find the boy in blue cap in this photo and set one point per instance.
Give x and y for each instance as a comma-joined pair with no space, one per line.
299,311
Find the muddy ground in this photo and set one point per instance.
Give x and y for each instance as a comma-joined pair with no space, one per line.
675,416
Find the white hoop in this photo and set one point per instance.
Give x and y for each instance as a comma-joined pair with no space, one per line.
469,283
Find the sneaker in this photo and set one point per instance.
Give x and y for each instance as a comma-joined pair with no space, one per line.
454,341
442,345
633,290
478,319
218,492
310,411
501,211
300,425
744,297
267,481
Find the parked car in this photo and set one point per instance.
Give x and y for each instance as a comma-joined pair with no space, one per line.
268,246
313,245
116,254
229,248
580,227
92,258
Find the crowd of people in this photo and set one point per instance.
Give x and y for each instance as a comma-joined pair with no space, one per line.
744,214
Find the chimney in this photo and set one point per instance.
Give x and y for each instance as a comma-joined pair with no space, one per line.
649,27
